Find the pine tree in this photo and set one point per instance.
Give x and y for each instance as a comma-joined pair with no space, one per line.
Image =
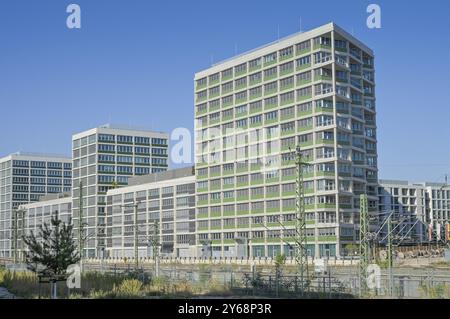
53,250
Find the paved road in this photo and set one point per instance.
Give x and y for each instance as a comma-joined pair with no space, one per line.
5,294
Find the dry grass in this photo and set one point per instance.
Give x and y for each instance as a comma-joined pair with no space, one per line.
105,286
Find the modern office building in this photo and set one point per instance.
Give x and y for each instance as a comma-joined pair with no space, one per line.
25,178
33,215
104,158
314,89
420,211
165,207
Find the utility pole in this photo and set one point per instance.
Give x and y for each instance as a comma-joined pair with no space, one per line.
15,234
81,226
364,246
155,246
136,241
17,214
389,253
301,253
136,233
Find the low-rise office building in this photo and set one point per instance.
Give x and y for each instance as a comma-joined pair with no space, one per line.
420,211
33,215
165,206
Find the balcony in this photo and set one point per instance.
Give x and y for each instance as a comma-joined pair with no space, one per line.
342,62
342,92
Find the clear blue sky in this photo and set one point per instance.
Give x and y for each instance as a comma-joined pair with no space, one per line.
133,62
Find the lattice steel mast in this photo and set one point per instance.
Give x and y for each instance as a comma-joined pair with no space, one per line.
301,253
364,246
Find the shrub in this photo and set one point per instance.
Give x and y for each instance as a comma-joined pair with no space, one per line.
129,288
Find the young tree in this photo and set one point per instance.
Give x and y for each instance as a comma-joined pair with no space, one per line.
52,251
280,260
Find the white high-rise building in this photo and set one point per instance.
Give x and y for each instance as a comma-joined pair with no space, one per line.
25,178
103,158
315,90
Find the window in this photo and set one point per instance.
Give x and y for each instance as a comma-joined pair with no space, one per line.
287,82
254,63
202,95
214,104
273,204
255,78
323,88
304,77
142,170
270,72
322,41
305,123
303,46
124,149
324,120
227,73
275,189
305,138
241,68
291,187
241,123
286,127
270,58
214,77
288,142
287,67
241,109
324,152
255,91
106,138
214,116
142,150
287,97
287,112
271,115
325,185
106,148
272,86
271,101
240,82
305,107
303,61
304,92
201,82
124,139
146,140
227,100
214,91
226,87
340,44
285,53
159,151
322,57
228,181
227,113
256,119
228,167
